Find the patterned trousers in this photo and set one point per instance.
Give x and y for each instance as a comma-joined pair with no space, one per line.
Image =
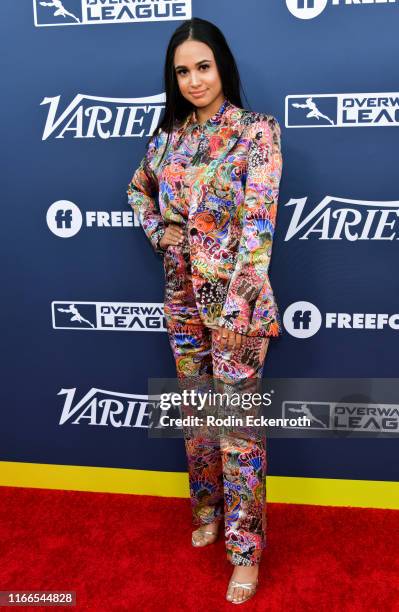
226,466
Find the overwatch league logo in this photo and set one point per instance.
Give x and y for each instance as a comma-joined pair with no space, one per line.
108,316
95,117
74,314
308,9
94,12
342,110
346,417
317,413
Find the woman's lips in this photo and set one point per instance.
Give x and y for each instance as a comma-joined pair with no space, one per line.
197,94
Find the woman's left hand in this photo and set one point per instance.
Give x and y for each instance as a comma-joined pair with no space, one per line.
227,338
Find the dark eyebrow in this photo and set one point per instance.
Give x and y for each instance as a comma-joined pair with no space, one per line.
197,64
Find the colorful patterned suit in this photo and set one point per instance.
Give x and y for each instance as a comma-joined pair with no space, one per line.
219,181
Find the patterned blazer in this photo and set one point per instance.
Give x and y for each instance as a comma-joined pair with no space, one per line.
231,217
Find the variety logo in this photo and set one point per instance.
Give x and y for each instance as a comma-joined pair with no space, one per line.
358,220
303,319
65,219
342,110
86,12
105,316
308,9
340,416
107,408
96,117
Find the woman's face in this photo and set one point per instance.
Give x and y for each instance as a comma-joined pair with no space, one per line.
197,74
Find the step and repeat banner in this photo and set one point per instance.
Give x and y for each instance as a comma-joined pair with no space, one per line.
83,326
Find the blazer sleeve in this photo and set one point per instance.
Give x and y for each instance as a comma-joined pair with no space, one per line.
142,195
258,222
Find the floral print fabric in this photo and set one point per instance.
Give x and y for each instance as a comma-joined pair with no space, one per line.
226,465
220,182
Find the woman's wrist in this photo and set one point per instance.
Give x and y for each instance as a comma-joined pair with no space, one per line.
161,244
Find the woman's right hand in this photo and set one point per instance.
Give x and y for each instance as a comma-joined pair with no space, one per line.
173,235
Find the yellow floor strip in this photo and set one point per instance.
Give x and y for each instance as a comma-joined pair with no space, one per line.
282,489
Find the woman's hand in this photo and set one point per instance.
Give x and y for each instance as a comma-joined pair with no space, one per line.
173,235
228,339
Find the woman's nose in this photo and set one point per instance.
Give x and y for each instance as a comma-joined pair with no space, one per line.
195,79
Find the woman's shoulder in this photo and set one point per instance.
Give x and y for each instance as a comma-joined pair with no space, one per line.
160,136
156,141
157,137
249,118
254,123
156,145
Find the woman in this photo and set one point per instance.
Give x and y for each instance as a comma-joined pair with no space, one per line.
206,196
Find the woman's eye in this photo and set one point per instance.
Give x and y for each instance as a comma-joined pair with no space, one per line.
183,70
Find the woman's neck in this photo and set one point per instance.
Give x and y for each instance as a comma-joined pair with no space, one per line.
203,114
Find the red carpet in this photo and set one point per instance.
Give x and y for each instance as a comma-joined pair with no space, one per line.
126,552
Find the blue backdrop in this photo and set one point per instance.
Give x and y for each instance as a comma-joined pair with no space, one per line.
82,301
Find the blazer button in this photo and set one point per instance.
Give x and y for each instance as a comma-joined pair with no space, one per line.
193,231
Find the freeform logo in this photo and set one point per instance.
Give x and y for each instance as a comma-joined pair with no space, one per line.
340,416
108,316
303,319
358,220
107,408
342,110
308,9
65,219
97,117
95,12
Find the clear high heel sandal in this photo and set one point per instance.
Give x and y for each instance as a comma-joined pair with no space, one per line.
198,536
249,586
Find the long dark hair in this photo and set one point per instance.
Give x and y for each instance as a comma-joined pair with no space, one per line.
177,108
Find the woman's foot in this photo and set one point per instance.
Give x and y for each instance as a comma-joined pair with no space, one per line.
243,583
206,534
